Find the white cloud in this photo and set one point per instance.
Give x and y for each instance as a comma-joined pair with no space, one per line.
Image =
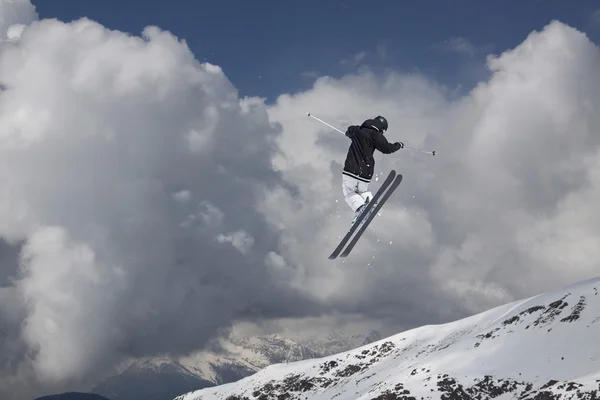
15,12
97,172
505,209
275,261
240,240
65,288
14,32
210,214
182,195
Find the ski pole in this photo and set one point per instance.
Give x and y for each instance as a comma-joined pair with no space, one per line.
422,151
323,122
333,127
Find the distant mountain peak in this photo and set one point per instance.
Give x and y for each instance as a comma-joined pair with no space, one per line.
225,360
373,336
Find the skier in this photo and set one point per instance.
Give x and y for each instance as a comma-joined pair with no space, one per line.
360,164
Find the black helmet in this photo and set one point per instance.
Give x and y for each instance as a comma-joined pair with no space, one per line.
384,124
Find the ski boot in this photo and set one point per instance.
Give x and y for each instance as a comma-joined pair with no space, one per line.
359,211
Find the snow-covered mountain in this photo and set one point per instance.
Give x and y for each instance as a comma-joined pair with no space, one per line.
544,347
336,342
271,349
234,359
229,360
151,379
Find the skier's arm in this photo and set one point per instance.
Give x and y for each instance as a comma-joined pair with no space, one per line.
352,130
382,144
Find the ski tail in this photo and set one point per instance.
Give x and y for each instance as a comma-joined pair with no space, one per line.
388,181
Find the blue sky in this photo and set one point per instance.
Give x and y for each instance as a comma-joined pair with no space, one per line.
269,47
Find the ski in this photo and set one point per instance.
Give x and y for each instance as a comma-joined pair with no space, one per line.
357,223
372,215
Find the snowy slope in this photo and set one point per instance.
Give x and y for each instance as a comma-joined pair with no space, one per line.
337,342
547,344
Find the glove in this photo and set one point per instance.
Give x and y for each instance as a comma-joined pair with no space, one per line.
400,145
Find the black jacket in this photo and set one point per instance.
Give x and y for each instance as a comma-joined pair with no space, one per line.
360,163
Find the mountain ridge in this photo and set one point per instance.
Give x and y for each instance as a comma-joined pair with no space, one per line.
224,361
541,347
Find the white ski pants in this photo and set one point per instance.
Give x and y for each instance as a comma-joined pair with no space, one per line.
355,191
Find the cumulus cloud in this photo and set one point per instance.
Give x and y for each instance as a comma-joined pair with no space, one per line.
505,209
183,195
240,240
65,285
14,15
122,158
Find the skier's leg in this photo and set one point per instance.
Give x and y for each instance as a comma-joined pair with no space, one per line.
350,189
355,194
363,190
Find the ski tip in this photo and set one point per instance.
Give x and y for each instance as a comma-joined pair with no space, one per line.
308,114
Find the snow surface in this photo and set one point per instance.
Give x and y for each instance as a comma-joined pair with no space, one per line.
545,344
337,341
